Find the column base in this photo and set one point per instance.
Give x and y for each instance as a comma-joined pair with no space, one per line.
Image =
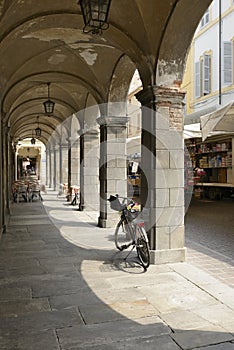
167,256
101,222
107,223
81,207
2,231
90,207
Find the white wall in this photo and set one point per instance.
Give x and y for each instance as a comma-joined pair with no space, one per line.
208,40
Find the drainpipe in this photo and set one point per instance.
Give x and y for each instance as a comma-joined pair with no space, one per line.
220,53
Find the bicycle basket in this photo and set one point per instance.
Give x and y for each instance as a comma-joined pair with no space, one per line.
131,215
115,203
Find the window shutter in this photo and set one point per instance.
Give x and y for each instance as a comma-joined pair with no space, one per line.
197,80
206,18
206,74
227,62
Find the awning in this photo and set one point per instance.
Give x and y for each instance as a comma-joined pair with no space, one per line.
218,122
192,131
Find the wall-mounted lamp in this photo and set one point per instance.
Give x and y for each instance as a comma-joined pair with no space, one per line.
95,13
49,105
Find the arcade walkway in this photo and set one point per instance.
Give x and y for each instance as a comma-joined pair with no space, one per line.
64,286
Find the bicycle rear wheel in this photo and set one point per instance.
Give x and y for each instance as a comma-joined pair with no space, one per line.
142,247
123,237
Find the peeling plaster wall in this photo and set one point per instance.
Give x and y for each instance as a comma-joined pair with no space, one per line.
89,55
168,73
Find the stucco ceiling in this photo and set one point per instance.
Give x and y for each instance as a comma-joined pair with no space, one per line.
43,42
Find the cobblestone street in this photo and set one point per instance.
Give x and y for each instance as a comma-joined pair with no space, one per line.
209,227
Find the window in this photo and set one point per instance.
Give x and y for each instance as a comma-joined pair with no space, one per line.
206,18
203,76
227,75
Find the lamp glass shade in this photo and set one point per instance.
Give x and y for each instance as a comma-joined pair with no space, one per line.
95,13
33,141
49,106
38,131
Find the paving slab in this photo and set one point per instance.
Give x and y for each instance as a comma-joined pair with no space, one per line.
149,343
57,285
18,261
184,320
27,340
16,293
14,308
220,291
192,339
220,346
82,297
25,270
41,321
108,333
219,314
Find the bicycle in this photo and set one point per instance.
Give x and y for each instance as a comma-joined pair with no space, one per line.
130,230
62,190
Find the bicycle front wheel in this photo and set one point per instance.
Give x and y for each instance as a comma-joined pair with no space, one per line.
142,247
123,235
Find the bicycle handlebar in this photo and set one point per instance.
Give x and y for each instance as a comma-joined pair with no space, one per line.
131,201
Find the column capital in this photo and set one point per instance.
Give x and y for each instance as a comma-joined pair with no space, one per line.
63,145
112,120
7,130
73,139
92,132
154,96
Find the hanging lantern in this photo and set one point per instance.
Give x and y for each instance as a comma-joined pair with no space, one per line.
33,141
38,129
49,105
95,13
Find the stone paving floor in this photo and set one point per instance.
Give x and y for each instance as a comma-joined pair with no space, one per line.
63,286
209,232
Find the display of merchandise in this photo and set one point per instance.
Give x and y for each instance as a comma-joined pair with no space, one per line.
214,159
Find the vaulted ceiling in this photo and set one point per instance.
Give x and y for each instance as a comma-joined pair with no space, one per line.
42,41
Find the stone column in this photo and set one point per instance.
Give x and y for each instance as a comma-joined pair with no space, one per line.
8,167
38,165
64,163
89,170
112,166
16,174
55,166
4,170
50,167
47,165
60,162
58,166
75,161
162,164
1,181
69,197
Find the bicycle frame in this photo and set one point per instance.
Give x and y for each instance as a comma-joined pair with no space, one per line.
133,228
